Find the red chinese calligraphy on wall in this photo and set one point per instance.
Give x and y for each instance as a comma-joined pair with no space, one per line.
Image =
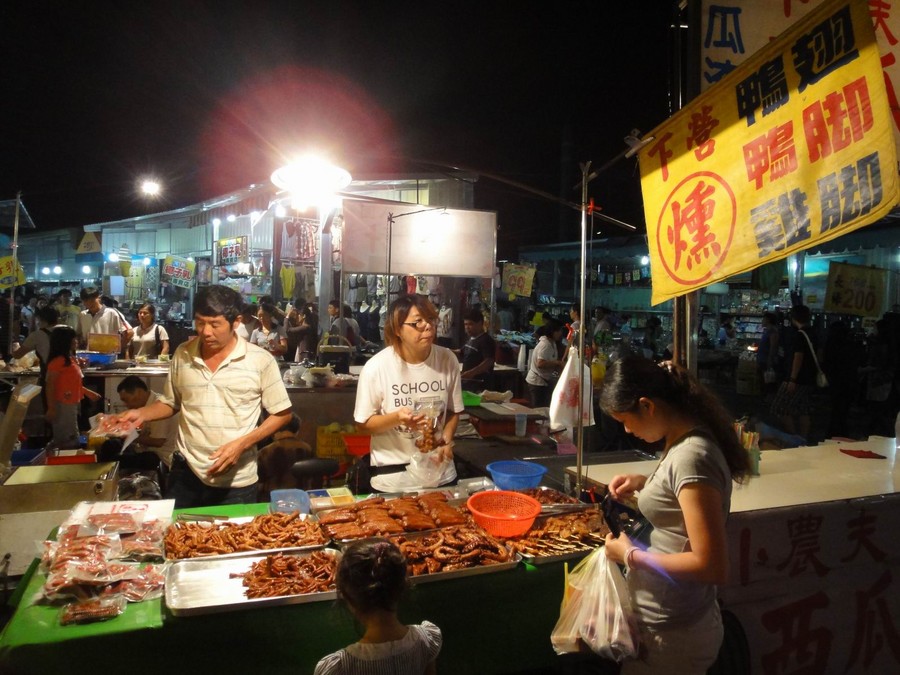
696,227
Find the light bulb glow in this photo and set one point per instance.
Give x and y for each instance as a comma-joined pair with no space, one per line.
645,260
57,269
86,269
151,188
113,257
147,262
45,270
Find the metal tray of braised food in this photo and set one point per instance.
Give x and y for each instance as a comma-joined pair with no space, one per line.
378,517
561,537
240,537
211,586
549,497
452,553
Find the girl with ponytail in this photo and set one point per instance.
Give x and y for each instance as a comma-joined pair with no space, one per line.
687,499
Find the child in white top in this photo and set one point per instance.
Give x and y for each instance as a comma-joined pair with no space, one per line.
371,578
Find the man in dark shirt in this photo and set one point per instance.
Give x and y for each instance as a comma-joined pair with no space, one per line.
477,354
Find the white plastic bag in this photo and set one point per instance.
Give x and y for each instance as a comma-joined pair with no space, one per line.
596,611
427,468
564,404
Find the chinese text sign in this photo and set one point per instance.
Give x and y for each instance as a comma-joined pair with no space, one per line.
792,148
855,289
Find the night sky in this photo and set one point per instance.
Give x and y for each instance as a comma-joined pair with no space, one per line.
212,96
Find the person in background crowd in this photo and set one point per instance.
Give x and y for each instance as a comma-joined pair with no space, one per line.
277,458
625,327
505,317
157,437
687,499
64,387
371,578
68,313
653,334
302,333
112,303
792,401
840,361
410,366
574,326
98,318
150,339
343,323
726,332
545,365
26,317
277,313
249,321
269,335
767,360
220,384
477,354
38,340
879,378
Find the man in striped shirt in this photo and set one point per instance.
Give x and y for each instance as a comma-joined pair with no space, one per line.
220,384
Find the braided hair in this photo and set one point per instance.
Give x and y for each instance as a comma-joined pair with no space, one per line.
371,575
631,378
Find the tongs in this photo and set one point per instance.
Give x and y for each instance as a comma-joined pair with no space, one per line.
559,509
202,517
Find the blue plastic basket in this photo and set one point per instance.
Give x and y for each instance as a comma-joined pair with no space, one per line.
515,474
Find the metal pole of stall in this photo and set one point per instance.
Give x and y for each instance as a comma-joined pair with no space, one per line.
579,429
15,270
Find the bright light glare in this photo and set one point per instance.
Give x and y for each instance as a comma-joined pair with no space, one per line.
231,217
280,211
86,269
146,261
113,257
310,180
45,270
57,269
645,260
217,221
150,187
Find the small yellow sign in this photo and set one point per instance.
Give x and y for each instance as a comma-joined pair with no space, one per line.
517,279
855,289
90,243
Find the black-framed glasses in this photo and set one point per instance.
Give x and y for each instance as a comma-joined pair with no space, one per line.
420,324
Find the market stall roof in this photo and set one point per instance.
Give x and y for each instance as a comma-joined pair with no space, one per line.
8,216
256,196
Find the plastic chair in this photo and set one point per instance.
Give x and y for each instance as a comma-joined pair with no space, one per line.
314,473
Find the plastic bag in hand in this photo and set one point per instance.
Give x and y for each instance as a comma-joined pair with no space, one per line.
596,611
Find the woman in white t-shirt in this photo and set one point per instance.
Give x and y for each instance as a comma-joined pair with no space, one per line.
410,375
150,339
545,365
269,335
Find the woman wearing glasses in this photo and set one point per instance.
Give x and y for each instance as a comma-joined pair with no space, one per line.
409,396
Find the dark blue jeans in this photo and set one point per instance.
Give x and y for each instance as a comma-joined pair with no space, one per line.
188,491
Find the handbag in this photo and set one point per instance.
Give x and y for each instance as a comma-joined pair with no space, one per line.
596,611
821,379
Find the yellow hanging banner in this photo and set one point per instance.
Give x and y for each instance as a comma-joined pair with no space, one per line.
792,148
7,276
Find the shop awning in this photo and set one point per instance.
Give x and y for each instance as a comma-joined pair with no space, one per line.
8,216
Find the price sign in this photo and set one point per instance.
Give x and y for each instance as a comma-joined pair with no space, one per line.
517,279
855,289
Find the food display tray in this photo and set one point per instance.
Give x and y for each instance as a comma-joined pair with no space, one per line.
203,586
514,560
255,552
583,548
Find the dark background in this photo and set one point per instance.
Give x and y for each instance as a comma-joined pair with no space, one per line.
212,96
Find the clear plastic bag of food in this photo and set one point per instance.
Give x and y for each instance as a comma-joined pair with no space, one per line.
147,544
427,468
431,428
95,609
146,583
596,611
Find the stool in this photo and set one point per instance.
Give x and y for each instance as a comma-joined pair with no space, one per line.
314,473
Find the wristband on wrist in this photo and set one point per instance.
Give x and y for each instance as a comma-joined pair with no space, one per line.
628,557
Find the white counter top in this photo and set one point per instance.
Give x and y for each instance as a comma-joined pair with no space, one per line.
796,476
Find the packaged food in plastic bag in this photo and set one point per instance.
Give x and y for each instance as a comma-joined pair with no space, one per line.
95,609
596,611
427,468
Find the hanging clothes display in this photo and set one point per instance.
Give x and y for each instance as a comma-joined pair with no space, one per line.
288,277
